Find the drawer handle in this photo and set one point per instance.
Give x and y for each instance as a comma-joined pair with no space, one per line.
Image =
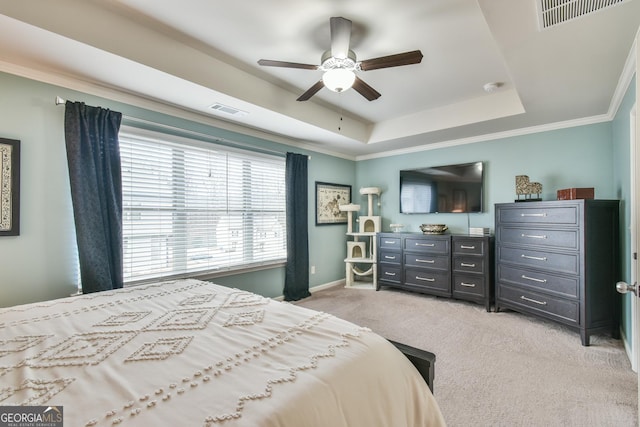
464,264
533,236
534,214
426,279
534,279
390,242
386,273
389,257
467,247
468,285
537,258
427,261
429,245
533,300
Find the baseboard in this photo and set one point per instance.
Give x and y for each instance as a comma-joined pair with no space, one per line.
340,282
317,288
628,350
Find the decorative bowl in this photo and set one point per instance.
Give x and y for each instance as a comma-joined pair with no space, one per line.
433,228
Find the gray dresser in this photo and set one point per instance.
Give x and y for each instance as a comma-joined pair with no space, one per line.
445,265
559,260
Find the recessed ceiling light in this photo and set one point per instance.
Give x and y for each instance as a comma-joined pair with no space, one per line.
492,87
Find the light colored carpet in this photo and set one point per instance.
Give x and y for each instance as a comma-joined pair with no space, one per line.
499,369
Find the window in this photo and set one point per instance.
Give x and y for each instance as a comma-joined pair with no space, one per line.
192,207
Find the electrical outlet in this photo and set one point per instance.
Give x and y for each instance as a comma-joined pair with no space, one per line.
313,269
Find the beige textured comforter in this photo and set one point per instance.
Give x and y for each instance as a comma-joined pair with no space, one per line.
192,353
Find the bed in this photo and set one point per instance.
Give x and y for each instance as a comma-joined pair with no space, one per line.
193,353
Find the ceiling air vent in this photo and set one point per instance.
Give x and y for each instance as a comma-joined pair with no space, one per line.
228,110
554,12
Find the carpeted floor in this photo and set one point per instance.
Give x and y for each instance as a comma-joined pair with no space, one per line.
499,369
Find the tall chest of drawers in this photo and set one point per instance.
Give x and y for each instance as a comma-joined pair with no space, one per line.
559,260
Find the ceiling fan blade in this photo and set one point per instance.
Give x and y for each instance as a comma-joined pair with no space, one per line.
340,37
406,58
311,91
365,90
272,63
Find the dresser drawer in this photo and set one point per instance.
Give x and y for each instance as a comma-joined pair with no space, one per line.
539,280
566,311
468,264
468,285
389,273
549,261
431,245
426,261
561,239
390,257
557,215
386,242
463,246
432,279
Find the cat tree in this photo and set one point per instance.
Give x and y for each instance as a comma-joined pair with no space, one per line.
360,263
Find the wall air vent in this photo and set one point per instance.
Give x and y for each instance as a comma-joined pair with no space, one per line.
554,12
221,108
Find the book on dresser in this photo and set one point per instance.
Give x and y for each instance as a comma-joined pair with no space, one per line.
559,260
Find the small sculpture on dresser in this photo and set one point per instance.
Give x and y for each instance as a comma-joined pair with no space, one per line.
526,188
396,228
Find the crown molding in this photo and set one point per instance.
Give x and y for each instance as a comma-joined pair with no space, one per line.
626,77
117,95
74,83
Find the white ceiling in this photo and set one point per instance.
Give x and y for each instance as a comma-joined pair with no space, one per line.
193,53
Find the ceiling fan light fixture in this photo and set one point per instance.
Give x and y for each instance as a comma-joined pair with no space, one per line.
338,79
339,64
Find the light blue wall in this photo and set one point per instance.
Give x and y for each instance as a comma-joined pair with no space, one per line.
574,157
41,264
622,186
587,156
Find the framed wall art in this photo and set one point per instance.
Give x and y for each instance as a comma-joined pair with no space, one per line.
9,187
328,199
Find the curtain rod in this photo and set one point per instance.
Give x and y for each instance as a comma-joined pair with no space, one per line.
61,101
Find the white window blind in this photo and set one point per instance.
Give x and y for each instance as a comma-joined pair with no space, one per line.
193,207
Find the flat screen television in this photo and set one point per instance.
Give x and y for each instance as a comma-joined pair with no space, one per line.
454,188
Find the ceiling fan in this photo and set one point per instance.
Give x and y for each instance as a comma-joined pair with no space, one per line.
339,64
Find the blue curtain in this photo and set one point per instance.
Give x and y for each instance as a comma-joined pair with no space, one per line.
93,156
296,282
